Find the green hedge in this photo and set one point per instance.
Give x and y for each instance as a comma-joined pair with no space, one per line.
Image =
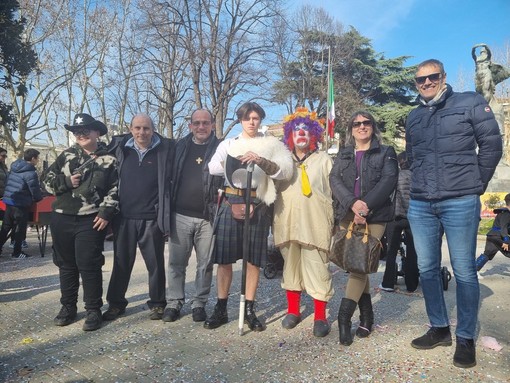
485,225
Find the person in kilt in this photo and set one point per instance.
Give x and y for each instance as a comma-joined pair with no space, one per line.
273,162
84,180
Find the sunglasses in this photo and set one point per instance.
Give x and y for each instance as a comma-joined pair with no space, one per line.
434,77
81,132
357,124
3,155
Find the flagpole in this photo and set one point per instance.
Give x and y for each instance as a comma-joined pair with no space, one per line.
327,100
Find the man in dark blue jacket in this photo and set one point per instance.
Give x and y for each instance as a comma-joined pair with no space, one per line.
21,191
145,163
453,145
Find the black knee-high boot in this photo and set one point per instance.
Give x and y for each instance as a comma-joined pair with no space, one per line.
366,316
345,313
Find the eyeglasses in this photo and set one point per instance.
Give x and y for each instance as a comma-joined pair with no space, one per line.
3,155
198,123
357,124
434,77
81,132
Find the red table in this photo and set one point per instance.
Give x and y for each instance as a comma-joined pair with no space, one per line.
40,213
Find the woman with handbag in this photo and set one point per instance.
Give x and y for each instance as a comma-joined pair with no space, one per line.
273,162
363,179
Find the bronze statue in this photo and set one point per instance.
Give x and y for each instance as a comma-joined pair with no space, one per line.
488,74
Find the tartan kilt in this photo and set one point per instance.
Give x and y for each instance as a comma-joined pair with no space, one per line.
228,247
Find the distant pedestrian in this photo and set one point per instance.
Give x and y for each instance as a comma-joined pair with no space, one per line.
21,191
4,171
395,229
498,238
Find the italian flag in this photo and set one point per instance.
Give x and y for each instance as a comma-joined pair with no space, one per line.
331,106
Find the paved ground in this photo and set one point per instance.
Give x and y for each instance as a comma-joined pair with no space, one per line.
135,349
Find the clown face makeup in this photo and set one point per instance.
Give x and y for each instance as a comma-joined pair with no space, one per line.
301,136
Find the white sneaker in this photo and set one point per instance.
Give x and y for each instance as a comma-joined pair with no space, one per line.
388,289
21,255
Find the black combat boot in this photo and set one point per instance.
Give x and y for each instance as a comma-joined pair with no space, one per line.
250,317
366,316
219,316
345,313
66,315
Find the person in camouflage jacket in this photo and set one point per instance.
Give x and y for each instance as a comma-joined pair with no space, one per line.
84,180
96,194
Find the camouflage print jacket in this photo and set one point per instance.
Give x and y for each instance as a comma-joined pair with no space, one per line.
97,192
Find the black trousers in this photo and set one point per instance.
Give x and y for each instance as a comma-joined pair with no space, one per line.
78,251
16,219
394,231
493,244
127,235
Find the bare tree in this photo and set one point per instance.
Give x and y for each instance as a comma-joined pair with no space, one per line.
167,80
42,23
225,44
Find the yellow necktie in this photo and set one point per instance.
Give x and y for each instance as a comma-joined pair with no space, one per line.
305,182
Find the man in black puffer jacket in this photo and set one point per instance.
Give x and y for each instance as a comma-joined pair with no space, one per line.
453,144
21,191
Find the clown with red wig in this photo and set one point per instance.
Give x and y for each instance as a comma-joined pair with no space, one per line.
303,221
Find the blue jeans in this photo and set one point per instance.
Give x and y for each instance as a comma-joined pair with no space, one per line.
458,218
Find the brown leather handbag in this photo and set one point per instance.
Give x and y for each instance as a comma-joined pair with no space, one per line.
355,250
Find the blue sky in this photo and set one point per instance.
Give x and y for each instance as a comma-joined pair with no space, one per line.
441,29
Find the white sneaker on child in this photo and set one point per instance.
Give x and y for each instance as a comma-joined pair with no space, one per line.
387,289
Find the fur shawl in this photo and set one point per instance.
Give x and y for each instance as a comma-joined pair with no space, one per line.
271,149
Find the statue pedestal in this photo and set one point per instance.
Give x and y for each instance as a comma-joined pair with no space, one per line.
500,182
